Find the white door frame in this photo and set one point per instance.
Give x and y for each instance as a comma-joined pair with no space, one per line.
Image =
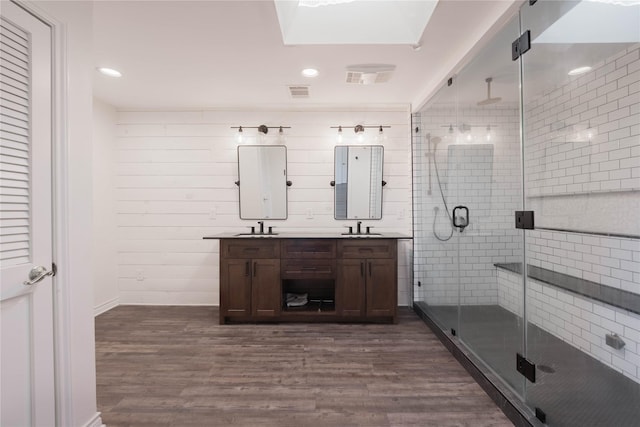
60,201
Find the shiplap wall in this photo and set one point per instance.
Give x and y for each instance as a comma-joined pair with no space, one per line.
175,174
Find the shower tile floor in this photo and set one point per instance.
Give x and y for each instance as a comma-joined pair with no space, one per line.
572,388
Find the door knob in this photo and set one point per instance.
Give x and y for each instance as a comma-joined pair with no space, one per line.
37,274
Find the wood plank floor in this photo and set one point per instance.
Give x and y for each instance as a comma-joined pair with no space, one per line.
175,366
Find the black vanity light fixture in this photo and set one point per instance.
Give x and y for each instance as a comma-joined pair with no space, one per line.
360,128
263,129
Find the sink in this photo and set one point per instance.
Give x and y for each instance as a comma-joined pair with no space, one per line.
255,235
362,234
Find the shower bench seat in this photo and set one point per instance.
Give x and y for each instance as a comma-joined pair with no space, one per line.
576,285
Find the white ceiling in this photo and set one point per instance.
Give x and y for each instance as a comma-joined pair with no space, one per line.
222,54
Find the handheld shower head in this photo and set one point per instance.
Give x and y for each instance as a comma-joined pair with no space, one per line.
435,141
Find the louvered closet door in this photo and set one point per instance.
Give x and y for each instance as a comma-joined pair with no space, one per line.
27,396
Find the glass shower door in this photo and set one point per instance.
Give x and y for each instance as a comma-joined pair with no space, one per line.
435,248
581,112
484,190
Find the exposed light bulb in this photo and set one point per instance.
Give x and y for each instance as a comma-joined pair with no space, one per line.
281,137
590,132
381,136
239,136
339,135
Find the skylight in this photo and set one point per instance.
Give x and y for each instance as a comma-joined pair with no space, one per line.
353,21
583,23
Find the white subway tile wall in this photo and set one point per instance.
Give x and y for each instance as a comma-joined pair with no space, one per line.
610,261
492,199
584,136
175,174
579,321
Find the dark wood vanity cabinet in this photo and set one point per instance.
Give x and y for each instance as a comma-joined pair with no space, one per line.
249,279
367,280
343,279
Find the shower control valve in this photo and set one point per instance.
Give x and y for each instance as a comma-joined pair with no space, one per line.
460,217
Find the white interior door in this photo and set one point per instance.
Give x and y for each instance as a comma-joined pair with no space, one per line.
26,310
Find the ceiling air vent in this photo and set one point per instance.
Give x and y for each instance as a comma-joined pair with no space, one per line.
299,91
368,74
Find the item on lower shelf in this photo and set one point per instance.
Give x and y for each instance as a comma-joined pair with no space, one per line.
319,302
296,300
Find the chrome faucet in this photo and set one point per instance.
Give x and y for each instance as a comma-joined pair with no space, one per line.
358,228
261,223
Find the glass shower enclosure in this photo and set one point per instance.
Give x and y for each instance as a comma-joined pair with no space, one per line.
526,201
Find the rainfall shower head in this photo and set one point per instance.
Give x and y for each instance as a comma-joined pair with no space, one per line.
489,99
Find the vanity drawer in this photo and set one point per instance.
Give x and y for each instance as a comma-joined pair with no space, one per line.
251,248
355,248
308,269
309,248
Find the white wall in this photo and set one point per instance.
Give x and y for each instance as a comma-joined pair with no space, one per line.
175,174
74,288
105,276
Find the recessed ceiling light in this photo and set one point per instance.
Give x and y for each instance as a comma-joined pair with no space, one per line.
579,70
109,72
309,72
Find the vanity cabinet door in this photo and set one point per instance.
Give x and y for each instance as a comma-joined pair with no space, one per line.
235,288
367,278
381,287
351,287
249,278
265,287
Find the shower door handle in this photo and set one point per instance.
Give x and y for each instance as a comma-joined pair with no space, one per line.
460,217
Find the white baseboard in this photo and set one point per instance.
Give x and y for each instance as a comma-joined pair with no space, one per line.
95,421
106,306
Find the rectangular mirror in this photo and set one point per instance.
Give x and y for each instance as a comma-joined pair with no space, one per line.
262,172
358,181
